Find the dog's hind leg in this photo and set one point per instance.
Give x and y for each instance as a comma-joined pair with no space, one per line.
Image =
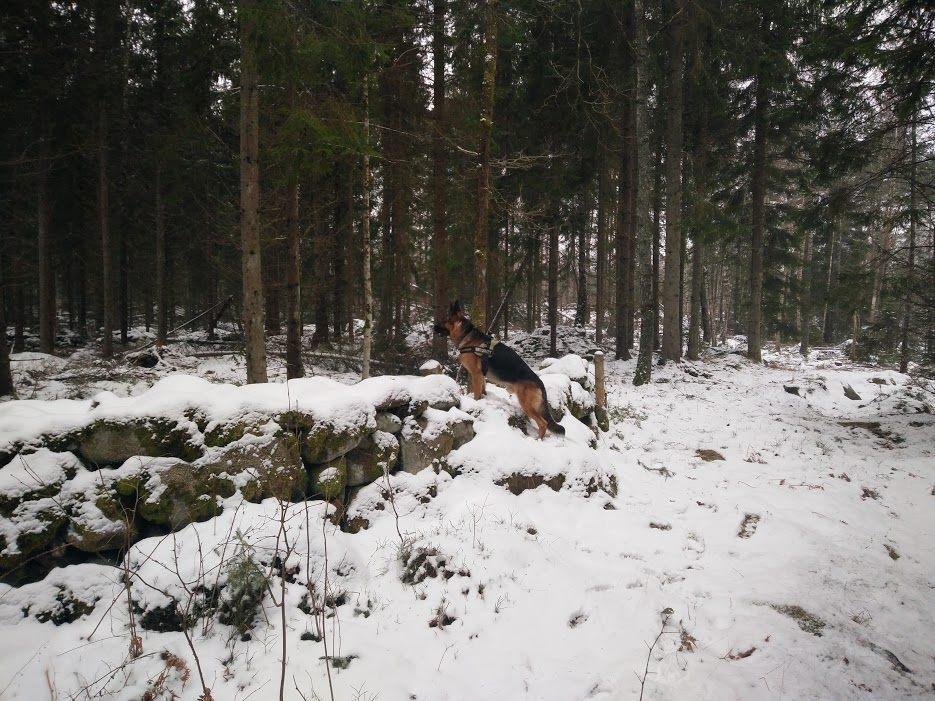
530,400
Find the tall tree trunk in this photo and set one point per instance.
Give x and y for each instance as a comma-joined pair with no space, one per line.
344,217
672,324
805,295
758,204
643,234
103,24
107,253
827,323
439,175
294,367
603,187
582,315
488,89
365,235
19,304
700,169
253,307
553,282
46,272
657,235
162,293
6,377
626,204
904,350
322,243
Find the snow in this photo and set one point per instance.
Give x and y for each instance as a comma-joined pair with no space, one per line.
551,595
30,473
173,396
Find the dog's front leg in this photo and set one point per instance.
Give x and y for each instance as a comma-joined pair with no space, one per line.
479,384
472,364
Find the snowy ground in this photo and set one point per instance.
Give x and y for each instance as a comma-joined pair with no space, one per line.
799,566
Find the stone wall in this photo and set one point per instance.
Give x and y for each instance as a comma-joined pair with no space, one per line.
108,480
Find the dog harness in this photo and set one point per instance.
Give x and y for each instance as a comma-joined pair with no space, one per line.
481,351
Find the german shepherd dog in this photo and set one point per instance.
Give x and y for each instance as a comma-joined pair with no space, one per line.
485,358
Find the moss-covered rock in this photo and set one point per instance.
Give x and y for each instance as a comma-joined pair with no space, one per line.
330,479
33,476
367,462
31,528
99,524
323,440
111,442
220,433
175,493
261,466
422,444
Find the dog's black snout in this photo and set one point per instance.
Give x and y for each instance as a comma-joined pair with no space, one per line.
441,330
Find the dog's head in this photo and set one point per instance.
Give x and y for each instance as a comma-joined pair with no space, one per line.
455,316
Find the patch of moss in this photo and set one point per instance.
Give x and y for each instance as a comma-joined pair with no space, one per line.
808,622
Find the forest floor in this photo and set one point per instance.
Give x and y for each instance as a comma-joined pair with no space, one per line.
772,538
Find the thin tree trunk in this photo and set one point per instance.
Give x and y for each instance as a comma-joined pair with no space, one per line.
365,235
904,352
700,168
643,233
162,296
46,273
657,236
582,315
553,283
293,268
758,204
481,241
253,307
671,328
826,321
7,387
19,304
439,175
107,253
601,263
805,295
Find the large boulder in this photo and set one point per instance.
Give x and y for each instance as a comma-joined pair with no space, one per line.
259,466
98,522
429,438
388,422
323,439
368,461
34,476
410,395
576,368
174,493
113,442
566,395
330,479
28,531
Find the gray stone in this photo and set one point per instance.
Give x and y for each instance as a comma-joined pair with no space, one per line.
389,423
109,442
367,462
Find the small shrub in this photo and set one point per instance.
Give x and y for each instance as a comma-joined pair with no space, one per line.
243,595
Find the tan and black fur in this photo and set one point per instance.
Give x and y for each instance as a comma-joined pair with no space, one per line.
502,366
